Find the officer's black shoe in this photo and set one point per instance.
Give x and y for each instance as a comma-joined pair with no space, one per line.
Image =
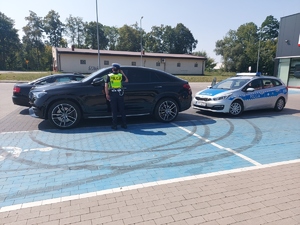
124,126
114,127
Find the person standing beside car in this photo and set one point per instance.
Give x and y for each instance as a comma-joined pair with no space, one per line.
115,94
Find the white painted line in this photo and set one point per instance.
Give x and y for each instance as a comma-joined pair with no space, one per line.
219,146
138,186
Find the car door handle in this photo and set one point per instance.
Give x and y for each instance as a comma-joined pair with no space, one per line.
157,86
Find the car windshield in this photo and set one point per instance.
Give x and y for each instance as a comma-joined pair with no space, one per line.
231,83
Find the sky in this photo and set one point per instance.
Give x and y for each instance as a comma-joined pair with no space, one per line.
208,20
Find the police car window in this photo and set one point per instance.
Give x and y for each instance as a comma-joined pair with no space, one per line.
267,83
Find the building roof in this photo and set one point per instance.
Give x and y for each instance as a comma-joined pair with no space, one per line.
127,53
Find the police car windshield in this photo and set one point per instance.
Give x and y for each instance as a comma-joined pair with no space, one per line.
231,83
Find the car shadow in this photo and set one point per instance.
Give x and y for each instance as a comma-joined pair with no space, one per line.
140,125
24,111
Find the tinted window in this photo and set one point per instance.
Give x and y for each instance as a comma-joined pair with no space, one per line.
46,81
136,75
162,77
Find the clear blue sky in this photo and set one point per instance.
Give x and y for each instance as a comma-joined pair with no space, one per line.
208,21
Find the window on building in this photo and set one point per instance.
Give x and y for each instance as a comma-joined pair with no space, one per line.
106,62
82,61
133,63
157,63
178,64
196,65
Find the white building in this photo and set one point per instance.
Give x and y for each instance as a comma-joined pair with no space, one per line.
86,61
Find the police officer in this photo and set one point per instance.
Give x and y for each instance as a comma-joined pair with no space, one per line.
115,94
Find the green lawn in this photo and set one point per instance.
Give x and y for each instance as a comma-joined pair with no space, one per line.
29,76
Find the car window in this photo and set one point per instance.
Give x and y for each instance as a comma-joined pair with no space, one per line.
256,84
46,81
276,82
157,76
62,79
267,83
137,75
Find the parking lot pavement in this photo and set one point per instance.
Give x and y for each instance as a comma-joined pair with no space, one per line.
211,170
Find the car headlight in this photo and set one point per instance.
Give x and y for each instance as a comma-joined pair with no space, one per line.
39,94
221,97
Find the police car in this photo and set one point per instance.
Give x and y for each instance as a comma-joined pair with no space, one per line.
245,91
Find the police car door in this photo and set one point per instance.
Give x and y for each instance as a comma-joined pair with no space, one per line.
254,98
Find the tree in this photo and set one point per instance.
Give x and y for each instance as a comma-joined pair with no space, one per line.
9,43
268,42
54,28
112,34
250,46
184,40
91,40
154,39
210,63
129,39
269,29
33,40
178,40
75,31
239,48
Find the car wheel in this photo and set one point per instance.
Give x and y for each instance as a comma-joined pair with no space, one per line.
280,103
64,114
236,108
166,110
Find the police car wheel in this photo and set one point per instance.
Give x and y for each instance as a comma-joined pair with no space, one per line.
236,108
64,114
280,103
166,110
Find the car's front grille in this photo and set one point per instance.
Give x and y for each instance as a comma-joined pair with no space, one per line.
203,99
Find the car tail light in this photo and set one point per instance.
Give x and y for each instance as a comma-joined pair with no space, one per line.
188,87
17,89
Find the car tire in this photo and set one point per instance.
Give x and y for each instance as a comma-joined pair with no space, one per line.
236,108
64,114
166,110
280,104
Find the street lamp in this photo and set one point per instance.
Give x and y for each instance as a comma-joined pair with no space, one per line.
98,34
141,41
258,51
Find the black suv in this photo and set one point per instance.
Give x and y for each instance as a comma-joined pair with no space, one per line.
148,92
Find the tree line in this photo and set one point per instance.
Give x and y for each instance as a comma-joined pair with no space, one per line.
34,52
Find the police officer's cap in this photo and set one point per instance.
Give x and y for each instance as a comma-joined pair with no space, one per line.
116,66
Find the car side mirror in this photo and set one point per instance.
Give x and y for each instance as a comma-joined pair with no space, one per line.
98,81
250,89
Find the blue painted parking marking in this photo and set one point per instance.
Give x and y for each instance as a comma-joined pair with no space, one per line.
40,165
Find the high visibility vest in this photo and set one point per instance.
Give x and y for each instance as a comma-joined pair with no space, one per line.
115,80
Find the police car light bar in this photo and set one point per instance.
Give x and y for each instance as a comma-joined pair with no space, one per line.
248,74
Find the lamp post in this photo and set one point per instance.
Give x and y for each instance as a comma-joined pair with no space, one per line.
141,41
258,51
98,34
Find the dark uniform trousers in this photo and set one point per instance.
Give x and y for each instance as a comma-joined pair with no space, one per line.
117,105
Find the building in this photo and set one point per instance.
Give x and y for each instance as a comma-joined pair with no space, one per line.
86,61
287,61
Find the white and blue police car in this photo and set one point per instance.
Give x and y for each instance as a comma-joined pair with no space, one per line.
245,91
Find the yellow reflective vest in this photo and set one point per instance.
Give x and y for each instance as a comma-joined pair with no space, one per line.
115,80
